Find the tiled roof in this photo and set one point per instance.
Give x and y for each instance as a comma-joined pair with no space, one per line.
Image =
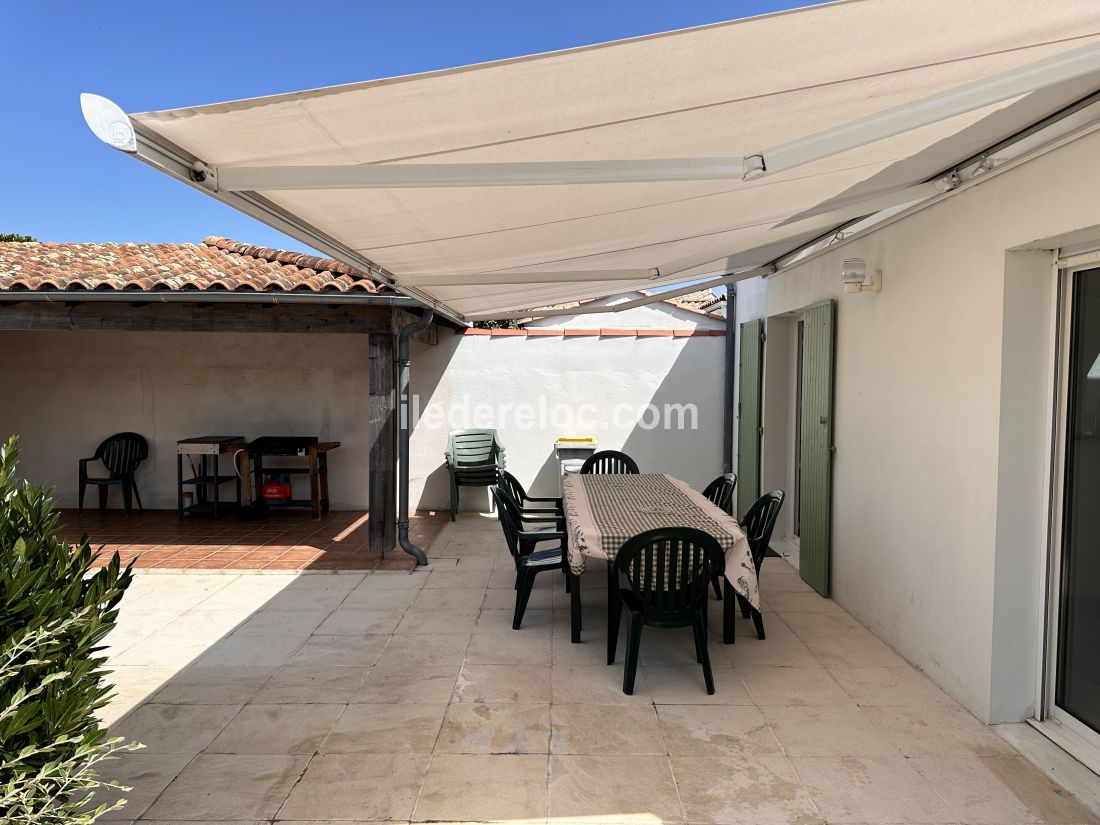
215,264
703,300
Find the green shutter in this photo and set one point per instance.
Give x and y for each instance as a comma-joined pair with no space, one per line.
748,414
816,487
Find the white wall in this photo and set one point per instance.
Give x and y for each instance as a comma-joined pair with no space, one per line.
941,391
499,372
64,392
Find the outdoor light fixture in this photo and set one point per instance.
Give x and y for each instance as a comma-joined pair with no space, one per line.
856,277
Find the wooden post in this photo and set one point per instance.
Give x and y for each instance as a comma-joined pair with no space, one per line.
382,438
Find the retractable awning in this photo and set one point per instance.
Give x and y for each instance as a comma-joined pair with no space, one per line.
511,185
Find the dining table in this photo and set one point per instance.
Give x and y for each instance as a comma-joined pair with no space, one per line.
603,511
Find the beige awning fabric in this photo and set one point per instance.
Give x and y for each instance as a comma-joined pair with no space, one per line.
726,90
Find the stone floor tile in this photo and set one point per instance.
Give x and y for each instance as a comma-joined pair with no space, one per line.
146,774
360,621
798,601
272,622
383,728
686,686
250,650
422,621
218,787
495,728
639,790
937,730
820,625
418,684
214,684
455,579
730,731
1001,790
597,684
529,646
542,598
870,790
458,599
357,786
827,731
605,729
420,651
340,651
749,651
281,729
854,650
167,728
793,686
488,684
493,788
309,684
743,790
889,686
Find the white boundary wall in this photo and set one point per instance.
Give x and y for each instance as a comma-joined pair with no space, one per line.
574,385
942,406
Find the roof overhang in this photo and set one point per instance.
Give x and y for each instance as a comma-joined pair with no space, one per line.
491,190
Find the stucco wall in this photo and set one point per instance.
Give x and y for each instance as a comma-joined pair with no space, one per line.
942,384
66,391
489,376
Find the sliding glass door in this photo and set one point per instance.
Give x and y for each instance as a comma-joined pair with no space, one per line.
1074,685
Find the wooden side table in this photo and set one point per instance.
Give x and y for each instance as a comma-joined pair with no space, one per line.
207,479
316,456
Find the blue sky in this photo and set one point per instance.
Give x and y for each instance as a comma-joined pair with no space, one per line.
58,183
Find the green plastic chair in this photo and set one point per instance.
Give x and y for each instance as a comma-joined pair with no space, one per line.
474,458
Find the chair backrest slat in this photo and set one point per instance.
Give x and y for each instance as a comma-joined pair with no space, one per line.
609,462
759,522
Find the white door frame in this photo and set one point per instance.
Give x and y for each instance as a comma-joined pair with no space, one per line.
1065,730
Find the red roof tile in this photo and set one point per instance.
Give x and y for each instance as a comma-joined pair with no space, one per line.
215,264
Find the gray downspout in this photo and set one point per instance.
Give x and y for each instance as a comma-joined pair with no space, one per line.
729,377
403,436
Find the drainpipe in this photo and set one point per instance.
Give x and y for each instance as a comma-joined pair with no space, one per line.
729,375
404,425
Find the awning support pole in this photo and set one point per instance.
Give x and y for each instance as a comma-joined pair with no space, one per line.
404,425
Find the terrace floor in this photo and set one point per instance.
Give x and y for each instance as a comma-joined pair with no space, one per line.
406,696
287,540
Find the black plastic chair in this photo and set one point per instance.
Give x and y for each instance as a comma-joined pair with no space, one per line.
544,505
668,571
609,462
474,458
758,524
529,561
551,523
120,454
720,492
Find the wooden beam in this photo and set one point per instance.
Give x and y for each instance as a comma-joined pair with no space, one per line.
382,441
211,317
402,318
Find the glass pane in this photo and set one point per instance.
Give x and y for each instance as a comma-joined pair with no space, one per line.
1078,678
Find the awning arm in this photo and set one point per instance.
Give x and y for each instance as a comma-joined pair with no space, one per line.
799,152
694,286
486,278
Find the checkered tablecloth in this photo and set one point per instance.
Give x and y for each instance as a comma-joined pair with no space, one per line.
603,511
